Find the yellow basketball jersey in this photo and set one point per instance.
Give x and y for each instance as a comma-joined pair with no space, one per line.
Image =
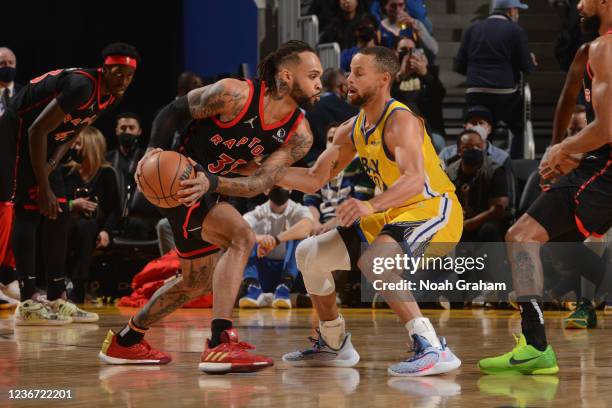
381,167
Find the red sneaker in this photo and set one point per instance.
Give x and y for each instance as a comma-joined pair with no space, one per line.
140,353
231,356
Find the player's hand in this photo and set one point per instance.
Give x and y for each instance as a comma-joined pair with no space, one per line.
83,205
193,189
559,161
47,203
146,156
265,244
352,209
103,240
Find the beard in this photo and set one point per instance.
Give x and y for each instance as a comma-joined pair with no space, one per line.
301,98
360,100
590,24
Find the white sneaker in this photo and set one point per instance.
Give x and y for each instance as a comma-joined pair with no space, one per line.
427,360
31,313
65,308
322,355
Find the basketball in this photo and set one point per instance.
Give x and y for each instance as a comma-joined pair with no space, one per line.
160,178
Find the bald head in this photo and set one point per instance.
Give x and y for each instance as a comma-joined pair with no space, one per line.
7,58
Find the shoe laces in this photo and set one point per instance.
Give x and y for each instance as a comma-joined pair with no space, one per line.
317,342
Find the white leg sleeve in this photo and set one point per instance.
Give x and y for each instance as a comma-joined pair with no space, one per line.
317,257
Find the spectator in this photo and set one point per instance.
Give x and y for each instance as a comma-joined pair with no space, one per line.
279,225
578,121
342,27
417,85
325,10
186,82
366,37
399,23
416,8
93,194
479,117
351,182
493,54
331,108
8,71
9,289
482,189
125,158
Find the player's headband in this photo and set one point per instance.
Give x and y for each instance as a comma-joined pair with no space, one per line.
120,60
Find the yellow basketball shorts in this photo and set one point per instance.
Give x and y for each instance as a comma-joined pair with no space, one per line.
431,227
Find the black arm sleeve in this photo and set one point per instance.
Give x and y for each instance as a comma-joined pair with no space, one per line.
168,121
74,91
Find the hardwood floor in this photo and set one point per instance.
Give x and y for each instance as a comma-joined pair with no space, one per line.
65,358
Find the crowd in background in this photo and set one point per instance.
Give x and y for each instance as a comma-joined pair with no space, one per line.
105,205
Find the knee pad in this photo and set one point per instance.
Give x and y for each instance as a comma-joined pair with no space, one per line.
317,257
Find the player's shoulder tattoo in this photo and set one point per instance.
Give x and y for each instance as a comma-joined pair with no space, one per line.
216,98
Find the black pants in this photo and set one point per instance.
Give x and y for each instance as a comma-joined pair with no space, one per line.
508,108
28,228
82,237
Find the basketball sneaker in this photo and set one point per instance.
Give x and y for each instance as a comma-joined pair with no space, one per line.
140,353
427,360
281,297
32,313
253,299
323,355
66,308
584,317
231,356
523,359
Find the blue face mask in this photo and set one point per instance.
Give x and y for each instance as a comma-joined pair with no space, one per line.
7,74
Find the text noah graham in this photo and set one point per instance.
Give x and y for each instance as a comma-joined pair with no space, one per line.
446,285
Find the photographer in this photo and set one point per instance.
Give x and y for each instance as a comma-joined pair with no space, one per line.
93,198
417,85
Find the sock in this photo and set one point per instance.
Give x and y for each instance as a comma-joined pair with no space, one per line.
423,327
218,326
333,331
130,334
532,321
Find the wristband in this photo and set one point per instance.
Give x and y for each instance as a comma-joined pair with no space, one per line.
213,179
70,205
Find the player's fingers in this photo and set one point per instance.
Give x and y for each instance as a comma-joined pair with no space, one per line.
188,191
190,199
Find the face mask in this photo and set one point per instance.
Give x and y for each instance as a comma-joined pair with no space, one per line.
7,74
472,157
75,155
127,141
279,196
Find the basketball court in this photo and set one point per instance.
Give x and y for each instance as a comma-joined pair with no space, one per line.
65,358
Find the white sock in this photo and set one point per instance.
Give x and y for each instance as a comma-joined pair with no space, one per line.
423,327
333,331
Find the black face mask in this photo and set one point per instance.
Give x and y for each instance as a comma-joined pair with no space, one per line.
473,157
279,196
7,74
75,155
127,141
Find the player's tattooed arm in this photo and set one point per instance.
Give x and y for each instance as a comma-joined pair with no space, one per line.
272,169
331,162
226,98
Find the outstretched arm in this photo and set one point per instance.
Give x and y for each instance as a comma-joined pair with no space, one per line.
404,138
331,162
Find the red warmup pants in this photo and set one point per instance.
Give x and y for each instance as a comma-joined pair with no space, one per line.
6,226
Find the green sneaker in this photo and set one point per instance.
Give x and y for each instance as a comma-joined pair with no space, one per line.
523,359
584,317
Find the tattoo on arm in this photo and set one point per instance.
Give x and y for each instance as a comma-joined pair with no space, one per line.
214,99
271,171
